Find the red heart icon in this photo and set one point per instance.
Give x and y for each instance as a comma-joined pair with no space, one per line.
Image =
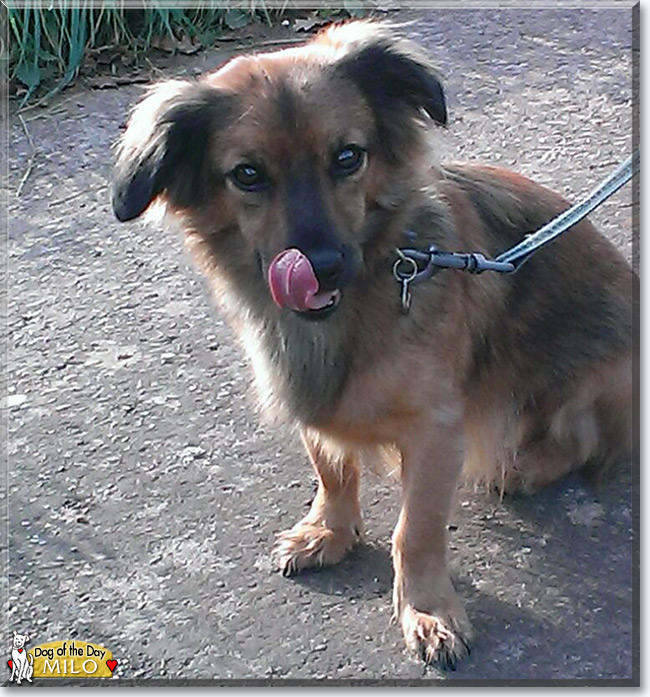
20,650
10,663
111,664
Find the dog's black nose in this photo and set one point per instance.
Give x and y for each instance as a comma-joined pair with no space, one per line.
328,264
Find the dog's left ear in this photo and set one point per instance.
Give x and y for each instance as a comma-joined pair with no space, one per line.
397,79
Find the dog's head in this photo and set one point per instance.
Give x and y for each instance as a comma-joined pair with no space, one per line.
293,151
20,640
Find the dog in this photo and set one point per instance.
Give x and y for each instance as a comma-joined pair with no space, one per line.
295,175
22,663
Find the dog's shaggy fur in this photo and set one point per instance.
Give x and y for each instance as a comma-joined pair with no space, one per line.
521,377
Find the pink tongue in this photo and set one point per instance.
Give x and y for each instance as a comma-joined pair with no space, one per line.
294,284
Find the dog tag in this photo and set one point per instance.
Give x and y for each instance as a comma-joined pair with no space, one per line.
406,295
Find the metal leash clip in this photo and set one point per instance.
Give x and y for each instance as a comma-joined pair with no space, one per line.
407,271
405,277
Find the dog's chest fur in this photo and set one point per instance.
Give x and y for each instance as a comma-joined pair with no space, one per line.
359,375
302,368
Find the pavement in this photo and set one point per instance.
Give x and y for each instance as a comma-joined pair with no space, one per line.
144,494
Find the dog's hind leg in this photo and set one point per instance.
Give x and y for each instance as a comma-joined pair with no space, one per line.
592,427
333,525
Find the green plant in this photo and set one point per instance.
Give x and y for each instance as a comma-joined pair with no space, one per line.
48,45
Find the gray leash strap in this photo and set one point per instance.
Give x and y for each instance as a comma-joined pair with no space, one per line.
518,254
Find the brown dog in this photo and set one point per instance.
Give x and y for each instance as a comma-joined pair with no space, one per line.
295,175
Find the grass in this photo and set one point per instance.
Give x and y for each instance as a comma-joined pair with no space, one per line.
48,46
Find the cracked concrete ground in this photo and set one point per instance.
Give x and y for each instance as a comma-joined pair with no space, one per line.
144,495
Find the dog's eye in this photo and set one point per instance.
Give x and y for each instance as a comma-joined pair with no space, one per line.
249,178
348,160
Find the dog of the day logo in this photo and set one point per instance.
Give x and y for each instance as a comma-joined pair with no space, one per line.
59,659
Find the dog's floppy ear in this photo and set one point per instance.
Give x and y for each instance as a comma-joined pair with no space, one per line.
396,77
165,147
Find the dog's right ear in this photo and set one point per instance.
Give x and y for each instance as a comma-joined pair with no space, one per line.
165,149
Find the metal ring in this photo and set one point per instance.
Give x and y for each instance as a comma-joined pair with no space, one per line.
405,277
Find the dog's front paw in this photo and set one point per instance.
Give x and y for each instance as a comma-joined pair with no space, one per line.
308,544
437,640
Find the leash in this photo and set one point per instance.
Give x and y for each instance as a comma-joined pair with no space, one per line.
414,266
